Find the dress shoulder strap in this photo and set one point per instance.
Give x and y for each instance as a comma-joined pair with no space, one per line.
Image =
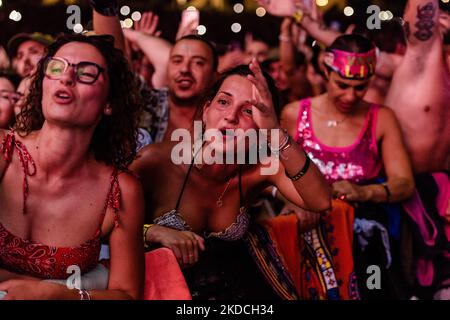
186,178
304,104
113,198
8,145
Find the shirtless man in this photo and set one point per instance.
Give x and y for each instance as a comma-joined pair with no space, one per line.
419,93
420,89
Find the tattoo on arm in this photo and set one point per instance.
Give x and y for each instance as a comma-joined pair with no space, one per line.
425,23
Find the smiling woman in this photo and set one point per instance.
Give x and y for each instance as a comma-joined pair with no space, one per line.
77,133
200,212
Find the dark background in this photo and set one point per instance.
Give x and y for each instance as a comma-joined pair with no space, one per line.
51,18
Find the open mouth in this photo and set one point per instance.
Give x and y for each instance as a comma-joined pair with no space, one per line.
63,96
227,133
185,82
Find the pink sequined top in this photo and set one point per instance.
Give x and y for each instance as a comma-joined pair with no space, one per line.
356,163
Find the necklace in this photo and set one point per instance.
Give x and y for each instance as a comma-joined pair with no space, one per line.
219,201
334,123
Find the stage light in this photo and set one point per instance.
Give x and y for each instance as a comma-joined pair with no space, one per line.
15,16
389,15
348,11
78,28
238,8
128,23
201,30
236,27
136,16
125,10
322,3
261,12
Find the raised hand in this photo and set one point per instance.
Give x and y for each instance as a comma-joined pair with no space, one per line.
263,110
148,24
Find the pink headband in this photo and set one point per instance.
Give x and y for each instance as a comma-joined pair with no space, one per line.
352,65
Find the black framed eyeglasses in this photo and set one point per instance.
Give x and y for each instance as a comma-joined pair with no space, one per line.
86,72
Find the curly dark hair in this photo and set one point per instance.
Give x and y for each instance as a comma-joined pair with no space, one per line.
114,138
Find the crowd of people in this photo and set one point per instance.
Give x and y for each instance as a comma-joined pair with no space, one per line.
356,120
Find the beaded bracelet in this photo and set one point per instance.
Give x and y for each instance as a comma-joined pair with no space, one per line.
302,172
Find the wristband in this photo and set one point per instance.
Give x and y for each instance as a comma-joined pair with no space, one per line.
302,172
388,192
145,230
105,7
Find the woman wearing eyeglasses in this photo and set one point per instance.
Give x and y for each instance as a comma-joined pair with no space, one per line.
8,97
62,188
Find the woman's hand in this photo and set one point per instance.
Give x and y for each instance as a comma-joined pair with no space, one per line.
263,110
32,290
184,244
348,191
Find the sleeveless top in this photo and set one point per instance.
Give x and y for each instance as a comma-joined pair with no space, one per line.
356,163
23,256
173,219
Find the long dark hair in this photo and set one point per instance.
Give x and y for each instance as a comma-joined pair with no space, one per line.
114,139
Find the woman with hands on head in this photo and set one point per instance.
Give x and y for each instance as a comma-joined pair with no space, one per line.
200,210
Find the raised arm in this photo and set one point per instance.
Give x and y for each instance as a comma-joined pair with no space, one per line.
287,49
156,49
318,30
422,24
297,178
106,21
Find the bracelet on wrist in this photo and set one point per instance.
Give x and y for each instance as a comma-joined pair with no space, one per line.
302,172
84,294
283,146
388,192
145,231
